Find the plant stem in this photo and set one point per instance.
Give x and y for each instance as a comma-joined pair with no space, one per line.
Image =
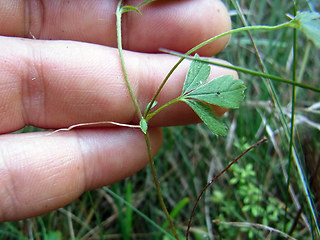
136,105
161,86
267,83
237,30
246,70
215,178
124,71
158,189
151,115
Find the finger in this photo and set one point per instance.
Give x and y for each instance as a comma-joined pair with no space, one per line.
177,25
60,83
40,173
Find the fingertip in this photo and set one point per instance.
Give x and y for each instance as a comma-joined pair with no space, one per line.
12,15
177,25
218,22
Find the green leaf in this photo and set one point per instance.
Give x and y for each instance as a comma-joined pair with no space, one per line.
309,23
205,112
153,105
146,2
129,8
197,75
143,125
223,91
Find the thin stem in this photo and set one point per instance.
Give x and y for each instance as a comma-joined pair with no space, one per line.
151,115
258,27
124,71
147,139
256,226
158,189
293,107
215,178
245,70
267,83
237,30
161,86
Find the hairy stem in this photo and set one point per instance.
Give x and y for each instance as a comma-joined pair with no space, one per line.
124,71
147,139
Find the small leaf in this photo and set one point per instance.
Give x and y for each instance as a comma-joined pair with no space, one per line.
205,112
153,105
223,91
143,125
309,23
197,75
129,8
146,2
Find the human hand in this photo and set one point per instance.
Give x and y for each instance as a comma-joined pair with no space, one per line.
55,84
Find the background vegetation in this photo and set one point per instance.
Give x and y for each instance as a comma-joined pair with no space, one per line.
253,193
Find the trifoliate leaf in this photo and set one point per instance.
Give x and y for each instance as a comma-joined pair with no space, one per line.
205,112
197,75
143,125
224,91
309,23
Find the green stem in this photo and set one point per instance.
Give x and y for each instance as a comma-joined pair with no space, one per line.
124,71
147,139
245,70
161,86
151,115
158,189
267,83
237,30
247,28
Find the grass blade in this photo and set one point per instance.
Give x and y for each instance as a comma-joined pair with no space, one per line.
145,217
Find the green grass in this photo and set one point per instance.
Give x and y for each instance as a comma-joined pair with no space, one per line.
252,192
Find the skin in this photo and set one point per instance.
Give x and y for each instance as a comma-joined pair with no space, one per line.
71,74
